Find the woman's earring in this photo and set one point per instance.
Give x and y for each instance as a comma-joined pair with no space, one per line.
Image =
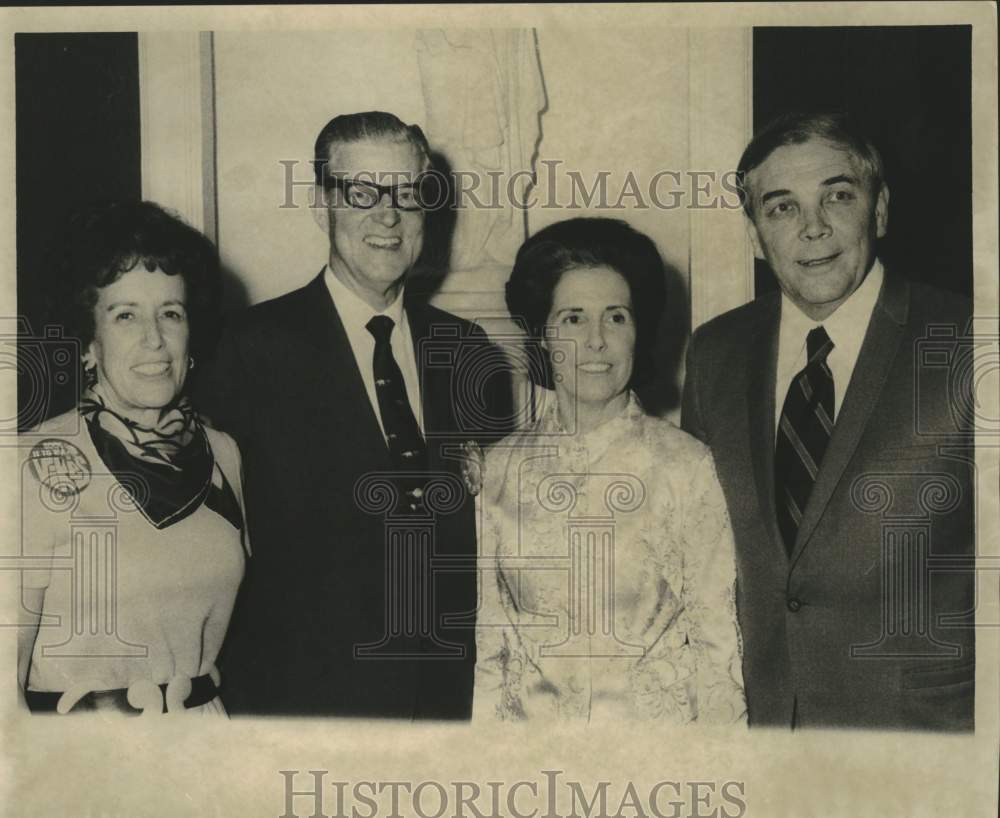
190,362
89,373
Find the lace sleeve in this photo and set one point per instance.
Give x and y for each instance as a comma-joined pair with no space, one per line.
710,601
499,659
489,640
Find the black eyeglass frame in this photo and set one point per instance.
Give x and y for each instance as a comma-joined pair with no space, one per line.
393,191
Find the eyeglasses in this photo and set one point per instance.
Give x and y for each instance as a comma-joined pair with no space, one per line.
366,195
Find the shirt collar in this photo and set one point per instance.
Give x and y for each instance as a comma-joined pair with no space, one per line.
353,309
843,324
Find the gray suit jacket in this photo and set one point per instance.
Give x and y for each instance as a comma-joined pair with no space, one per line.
870,622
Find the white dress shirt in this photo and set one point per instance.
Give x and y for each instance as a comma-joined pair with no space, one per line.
846,327
355,313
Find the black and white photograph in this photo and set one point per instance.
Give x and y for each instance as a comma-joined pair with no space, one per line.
503,411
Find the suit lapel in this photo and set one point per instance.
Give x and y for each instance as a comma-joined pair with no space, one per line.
343,387
762,365
435,381
885,330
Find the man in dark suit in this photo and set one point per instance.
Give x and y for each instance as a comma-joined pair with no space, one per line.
350,402
844,451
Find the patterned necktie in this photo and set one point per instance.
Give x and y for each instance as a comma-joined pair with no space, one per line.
406,445
803,434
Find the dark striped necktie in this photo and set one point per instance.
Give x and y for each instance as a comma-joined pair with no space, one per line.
803,434
406,443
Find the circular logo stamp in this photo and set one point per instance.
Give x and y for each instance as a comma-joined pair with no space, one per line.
60,466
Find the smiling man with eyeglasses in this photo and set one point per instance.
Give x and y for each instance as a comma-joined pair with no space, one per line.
337,409
370,209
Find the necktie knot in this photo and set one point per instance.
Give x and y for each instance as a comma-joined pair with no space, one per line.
818,345
381,327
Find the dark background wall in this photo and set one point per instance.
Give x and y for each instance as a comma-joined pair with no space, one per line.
77,109
911,86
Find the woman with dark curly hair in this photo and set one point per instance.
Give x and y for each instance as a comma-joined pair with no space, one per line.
132,509
608,589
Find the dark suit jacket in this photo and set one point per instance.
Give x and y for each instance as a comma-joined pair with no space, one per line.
870,621
285,384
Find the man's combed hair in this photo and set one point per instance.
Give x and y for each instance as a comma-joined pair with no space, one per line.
369,125
796,128
105,241
587,242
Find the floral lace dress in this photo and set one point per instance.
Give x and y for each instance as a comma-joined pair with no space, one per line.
607,577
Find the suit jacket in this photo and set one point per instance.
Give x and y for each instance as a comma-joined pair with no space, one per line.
310,630
869,622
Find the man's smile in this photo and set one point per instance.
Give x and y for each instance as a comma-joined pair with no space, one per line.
818,262
152,370
383,242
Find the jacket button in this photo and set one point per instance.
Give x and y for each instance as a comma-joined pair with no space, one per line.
794,605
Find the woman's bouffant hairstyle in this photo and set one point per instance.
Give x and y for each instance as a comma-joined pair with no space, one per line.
105,241
587,242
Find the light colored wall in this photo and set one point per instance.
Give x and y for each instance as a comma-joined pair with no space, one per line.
618,102
274,92
629,103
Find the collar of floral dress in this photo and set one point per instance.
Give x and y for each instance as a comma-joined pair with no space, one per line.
598,439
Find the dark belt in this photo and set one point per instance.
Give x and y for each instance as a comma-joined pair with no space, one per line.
203,690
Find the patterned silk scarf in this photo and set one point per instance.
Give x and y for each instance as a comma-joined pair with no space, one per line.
167,469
